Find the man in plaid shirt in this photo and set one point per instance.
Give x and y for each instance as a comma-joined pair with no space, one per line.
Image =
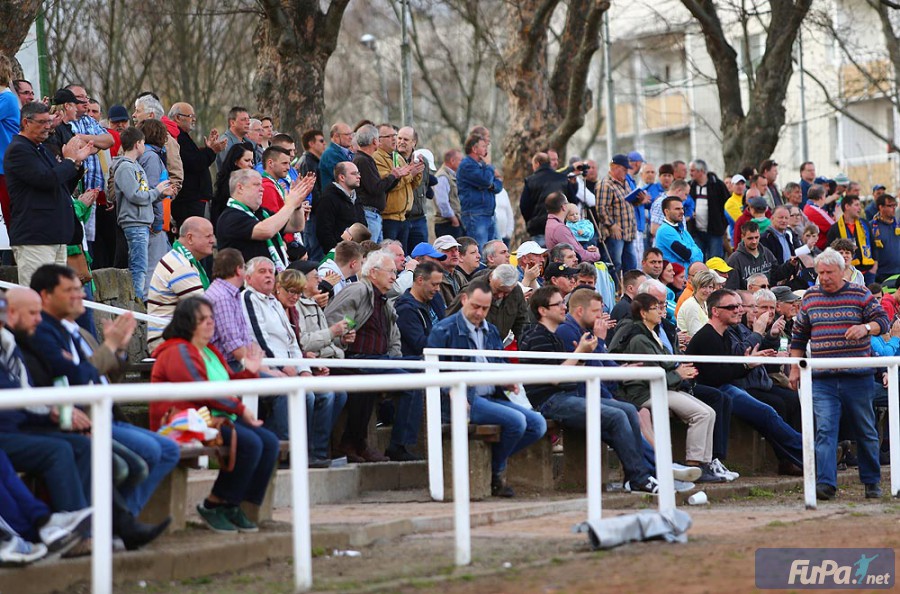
616,214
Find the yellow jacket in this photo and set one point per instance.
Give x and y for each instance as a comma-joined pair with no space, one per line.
400,198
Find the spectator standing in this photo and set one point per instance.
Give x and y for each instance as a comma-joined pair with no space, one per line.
616,215
339,206
538,186
557,232
838,319
399,198
373,188
672,238
886,237
448,218
752,258
851,226
238,126
477,184
10,118
43,220
196,190
817,214
708,223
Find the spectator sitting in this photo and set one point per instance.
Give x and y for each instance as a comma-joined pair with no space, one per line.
447,246
357,233
345,266
693,314
520,427
509,309
377,337
322,409
631,280
420,308
688,291
469,261
186,356
530,262
560,276
238,156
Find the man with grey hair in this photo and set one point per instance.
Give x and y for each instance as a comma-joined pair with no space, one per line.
238,126
495,253
838,319
373,189
509,310
377,337
757,281
245,226
255,134
708,224
448,218
147,107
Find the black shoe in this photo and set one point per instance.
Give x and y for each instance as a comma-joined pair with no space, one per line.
884,457
873,491
399,453
499,488
319,463
825,492
709,476
139,534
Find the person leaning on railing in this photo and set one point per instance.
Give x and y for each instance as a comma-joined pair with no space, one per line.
187,356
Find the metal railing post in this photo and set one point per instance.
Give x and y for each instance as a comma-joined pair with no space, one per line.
251,401
659,410
433,433
300,491
460,435
809,436
594,451
894,427
101,494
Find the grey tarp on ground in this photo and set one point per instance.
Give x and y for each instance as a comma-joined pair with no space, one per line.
644,525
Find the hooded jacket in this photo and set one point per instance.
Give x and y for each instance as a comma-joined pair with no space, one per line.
178,360
746,265
134,196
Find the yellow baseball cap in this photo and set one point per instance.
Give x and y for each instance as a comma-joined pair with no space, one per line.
718,264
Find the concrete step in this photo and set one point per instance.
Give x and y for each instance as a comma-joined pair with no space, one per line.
329,485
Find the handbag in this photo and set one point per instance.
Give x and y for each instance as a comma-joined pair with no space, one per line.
215,422
78,263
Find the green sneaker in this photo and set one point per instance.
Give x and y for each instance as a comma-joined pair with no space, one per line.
216,519
239,519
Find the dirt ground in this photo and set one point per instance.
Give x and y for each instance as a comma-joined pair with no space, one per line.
542,555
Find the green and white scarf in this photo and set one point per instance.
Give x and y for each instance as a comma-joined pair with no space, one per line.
277,254
204,280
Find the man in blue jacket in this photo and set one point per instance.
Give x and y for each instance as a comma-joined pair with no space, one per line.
420,308
672,238
520,427
476,185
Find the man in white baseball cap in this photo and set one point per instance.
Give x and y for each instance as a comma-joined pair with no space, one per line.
447,244
530,262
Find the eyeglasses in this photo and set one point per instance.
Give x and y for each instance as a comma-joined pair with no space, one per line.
388,136
763,286
189,116
563,303
391,271
730,307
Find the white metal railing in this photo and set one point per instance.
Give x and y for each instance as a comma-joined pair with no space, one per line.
661,421
101,398
141,317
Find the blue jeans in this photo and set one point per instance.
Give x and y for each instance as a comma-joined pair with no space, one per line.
160,453
257,454
853,395
787,443
519,427
63,460
620,428
480,227
398,230
18,506
311,242
157,247
138,238
321,412
710,244
418,233
622,254
373,222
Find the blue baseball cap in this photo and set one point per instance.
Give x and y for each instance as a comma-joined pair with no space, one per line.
118,113
426,249
877,187
635,156
620,160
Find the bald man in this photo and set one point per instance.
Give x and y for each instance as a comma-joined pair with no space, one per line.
196,189
179,274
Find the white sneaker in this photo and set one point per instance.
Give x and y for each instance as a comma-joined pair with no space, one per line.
58,540
684,486
17,551
719,469
63,524
686,473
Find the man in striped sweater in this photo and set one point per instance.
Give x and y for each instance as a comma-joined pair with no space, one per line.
837,319
179,274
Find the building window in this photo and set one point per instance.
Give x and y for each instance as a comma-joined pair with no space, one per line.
750,52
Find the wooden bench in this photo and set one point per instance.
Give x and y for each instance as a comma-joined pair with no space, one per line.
481,438
170,497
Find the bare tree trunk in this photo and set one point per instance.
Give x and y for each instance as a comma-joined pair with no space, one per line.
545,109
16,16
293,44
750,136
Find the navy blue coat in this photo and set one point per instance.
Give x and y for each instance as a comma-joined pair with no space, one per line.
52,339
414,322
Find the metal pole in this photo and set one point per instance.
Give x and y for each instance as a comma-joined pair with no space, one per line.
385,100
406,103
460,436
804,136
101,489
300,491
894,423
610,97
809,437
433,428
594,449
659,410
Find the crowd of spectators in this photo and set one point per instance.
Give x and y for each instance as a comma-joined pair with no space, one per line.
322,252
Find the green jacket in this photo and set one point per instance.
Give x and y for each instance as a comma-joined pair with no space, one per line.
636,339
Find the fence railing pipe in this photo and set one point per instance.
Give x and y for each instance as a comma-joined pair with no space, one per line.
594,451
302,539
433,432
659,410
894,426
101,495
808,434
460,443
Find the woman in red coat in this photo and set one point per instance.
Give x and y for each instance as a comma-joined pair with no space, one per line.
187,356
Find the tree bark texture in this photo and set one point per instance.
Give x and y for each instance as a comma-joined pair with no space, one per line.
545,108
293,44
16,16
750,136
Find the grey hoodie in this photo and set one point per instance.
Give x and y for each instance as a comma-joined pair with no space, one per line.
134,196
